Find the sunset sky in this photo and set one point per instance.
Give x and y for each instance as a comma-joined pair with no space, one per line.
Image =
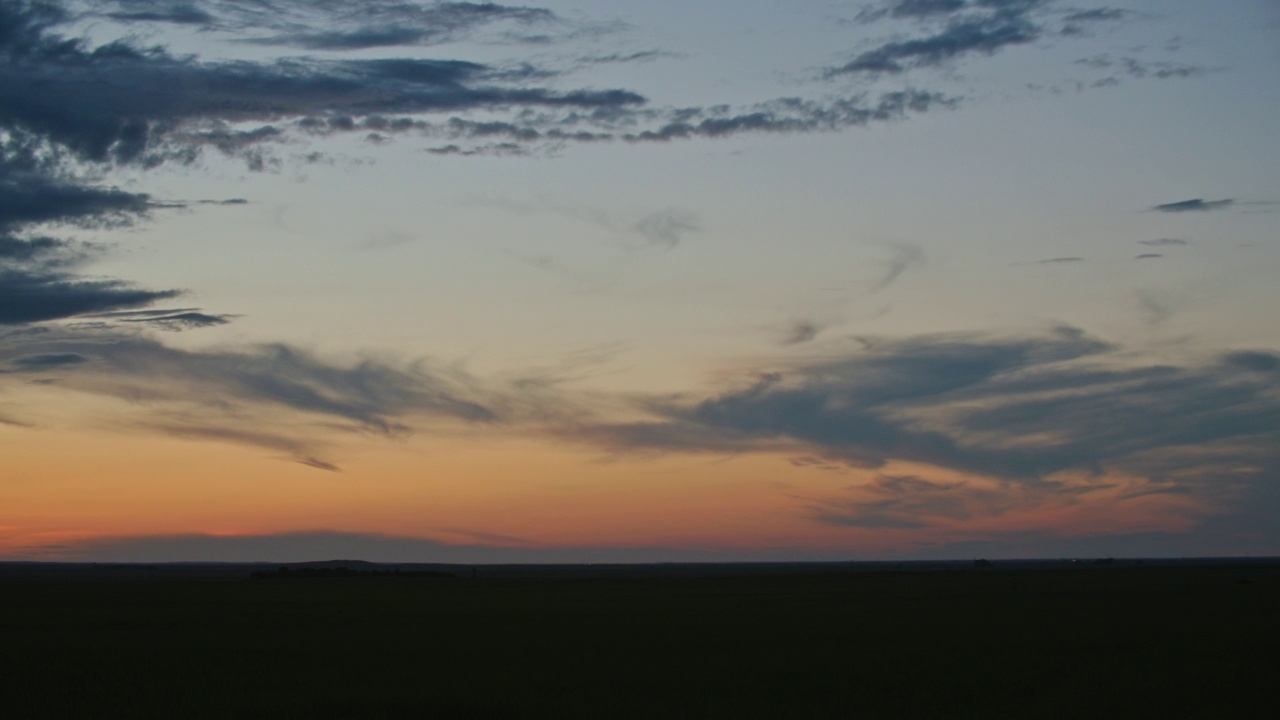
591,280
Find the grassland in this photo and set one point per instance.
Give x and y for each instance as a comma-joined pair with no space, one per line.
1182,642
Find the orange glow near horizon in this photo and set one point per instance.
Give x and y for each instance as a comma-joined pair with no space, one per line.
78,486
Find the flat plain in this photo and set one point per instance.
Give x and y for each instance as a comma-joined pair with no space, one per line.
1062,642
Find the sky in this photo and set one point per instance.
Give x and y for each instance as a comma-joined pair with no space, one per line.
600,281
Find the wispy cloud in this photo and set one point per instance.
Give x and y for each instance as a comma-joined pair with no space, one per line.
1196,205
168,319
667,228
985,27
273,396
794,115
903,257
801,331
1132,67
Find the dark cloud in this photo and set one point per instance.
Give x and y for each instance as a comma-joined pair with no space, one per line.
505,148
1253,361
359,39
36,363
123,103
29,198
162,12
328,25
911,10
639,56
170,319
183,321
1079,22
27,296
1019,410
37,282
985,34
841,406
985,27
1015,6
1196,205
148,108
1162,242
1098,15
1148,256
67,104
925,8
1060,260
794,115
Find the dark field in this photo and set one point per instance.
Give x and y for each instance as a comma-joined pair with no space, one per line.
1125,642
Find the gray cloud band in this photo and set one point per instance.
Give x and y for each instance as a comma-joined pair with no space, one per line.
1015,409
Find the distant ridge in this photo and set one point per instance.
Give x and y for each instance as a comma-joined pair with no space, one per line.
36,570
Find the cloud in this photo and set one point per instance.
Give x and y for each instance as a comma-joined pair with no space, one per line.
36,278
1098,15
1077,23
123,103
1020,410
925,8
1148,256
1163,242
30,197
182,320
1060,260
801,331
273,396
904,257
1132,67
44,361
911,10
178,13
338,26
639,56
322,545
369,393
320,464
70,110
1196,205
27,297
959,28
906,502
300,450
795,115
667,228
986,34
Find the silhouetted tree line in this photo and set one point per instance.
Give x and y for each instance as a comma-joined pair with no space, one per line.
285,572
